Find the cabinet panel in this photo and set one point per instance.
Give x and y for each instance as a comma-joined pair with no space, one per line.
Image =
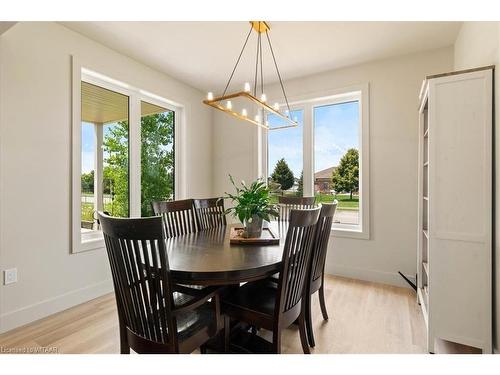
461,164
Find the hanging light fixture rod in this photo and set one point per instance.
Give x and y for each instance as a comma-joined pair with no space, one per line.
225,101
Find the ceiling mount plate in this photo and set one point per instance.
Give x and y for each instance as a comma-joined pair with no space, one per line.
260,26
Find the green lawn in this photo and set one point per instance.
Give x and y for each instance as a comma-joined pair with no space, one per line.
345,203
88,210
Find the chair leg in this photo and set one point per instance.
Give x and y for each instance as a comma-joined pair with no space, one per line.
308,313
322,301
303,334
227,333
277,341
124,348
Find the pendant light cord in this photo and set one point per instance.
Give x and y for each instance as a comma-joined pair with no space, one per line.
257,60
237,61
278,72
261,67
256,66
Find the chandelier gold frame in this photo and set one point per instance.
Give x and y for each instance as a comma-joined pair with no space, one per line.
260,27
216,103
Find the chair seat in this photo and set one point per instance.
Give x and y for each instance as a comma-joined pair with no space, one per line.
259,296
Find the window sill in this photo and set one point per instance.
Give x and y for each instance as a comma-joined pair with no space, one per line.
92,244
350,232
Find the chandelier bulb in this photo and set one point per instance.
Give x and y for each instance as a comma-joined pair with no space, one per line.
247,87
276,106
229,105
210,96
263,98
244,112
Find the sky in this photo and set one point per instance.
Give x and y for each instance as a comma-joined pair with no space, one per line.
335,131
88,147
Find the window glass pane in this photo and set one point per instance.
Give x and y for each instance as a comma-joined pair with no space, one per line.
115,197
336,158
285,162
105,154
87,176
157,155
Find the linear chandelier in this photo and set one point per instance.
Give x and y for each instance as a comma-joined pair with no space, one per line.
245,105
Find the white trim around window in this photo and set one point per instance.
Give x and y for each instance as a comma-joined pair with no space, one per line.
83,72
307,103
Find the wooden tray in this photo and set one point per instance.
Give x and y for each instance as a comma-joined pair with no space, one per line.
267,237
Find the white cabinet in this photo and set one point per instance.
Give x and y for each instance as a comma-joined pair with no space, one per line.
454,261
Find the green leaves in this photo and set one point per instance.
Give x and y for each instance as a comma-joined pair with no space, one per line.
283,175
157,162
251,200
346,176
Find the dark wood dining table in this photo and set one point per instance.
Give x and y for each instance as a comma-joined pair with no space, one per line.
208,258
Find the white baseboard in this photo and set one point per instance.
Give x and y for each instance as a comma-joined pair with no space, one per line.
390,278
42,309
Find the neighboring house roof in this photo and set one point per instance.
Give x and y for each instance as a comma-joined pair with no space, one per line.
325,174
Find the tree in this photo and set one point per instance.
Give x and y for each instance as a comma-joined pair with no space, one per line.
157,159
300,183
115,171
283,175
346,176
88,182
157,162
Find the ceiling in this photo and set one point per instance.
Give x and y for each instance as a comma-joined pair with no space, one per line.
202,54
4,26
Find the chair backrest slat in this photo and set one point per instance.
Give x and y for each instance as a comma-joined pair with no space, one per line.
296,257
322,237
285,204
210,213
179,217
139,266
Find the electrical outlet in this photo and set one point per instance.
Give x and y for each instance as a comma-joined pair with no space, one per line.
10,276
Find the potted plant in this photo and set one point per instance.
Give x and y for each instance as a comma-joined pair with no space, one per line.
252,205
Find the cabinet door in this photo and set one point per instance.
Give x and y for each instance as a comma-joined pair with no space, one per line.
461,207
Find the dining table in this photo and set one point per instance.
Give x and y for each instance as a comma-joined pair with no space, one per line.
208,258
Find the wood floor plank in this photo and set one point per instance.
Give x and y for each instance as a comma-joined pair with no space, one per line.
364,318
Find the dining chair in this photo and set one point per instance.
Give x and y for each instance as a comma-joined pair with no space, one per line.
210,212
285,204
316,274
275,306
179,217
153,316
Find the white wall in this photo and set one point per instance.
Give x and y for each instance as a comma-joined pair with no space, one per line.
478,44
394,87
35,160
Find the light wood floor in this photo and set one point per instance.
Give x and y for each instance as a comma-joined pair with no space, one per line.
364,318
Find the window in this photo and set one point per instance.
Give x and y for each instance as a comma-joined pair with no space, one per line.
285,162
104,155
157,155
336,158
123,153
327,155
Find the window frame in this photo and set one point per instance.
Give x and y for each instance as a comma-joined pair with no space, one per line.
82,72
308,103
